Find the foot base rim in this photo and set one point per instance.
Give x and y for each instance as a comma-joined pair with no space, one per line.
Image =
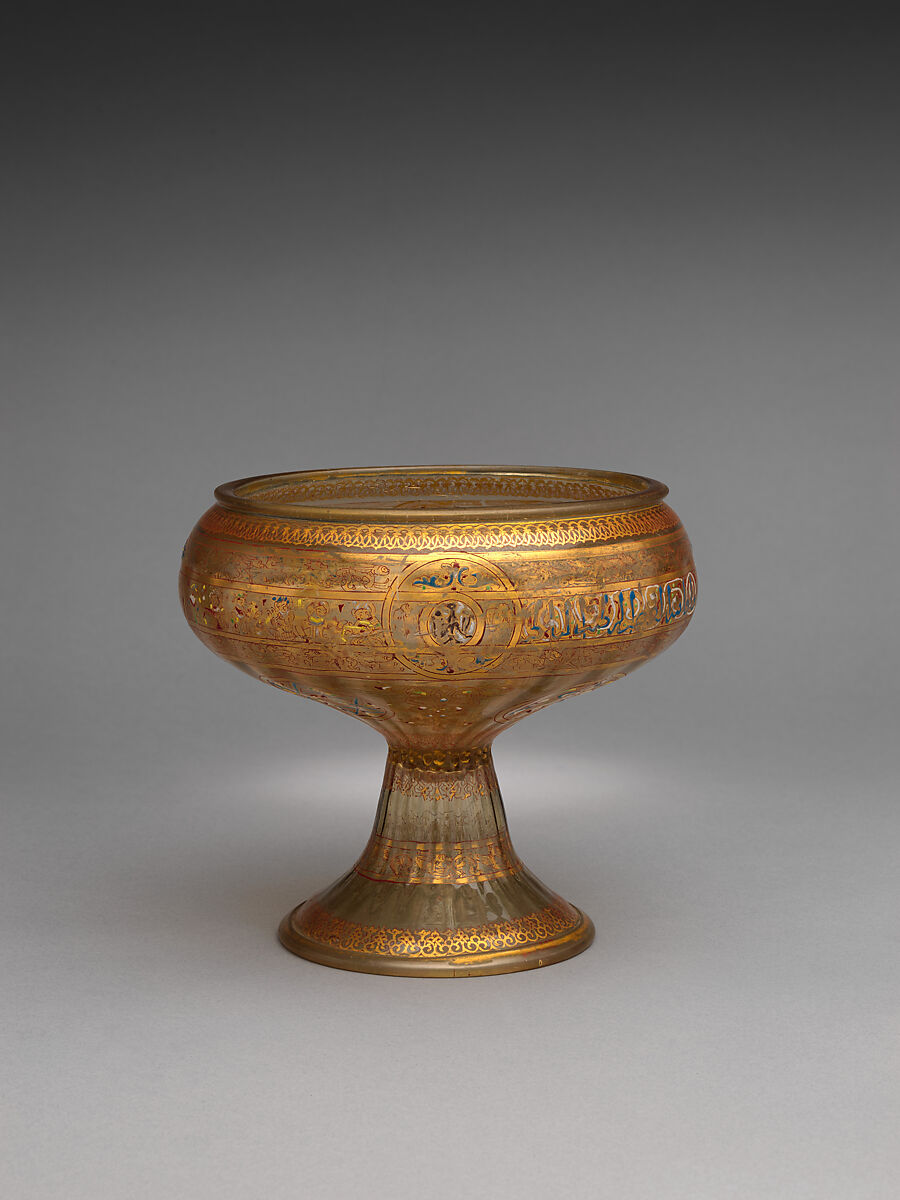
501,962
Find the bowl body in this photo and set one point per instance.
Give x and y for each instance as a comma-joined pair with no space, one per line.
439,604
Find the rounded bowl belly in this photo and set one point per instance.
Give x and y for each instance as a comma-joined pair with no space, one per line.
439,604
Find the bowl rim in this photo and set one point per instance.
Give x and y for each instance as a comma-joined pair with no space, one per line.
241,495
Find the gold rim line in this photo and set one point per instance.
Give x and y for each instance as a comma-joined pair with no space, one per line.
589,491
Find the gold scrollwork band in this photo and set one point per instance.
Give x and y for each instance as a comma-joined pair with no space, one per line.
547,924
477,861
572,531
440,759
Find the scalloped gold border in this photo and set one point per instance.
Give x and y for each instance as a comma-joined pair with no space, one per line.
314,922
497,535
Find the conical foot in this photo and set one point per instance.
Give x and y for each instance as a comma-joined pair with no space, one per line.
538,938
439,889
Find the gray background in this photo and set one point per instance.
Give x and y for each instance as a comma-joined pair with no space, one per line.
239,245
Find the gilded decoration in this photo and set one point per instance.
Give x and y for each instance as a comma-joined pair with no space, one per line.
546,925
439,605
503,535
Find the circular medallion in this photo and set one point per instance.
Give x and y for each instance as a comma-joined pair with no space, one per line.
452,623
451,616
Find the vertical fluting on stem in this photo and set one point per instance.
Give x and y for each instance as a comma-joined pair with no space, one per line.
438,888
439,855
440,820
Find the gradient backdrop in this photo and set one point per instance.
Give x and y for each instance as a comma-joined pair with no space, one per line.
271,237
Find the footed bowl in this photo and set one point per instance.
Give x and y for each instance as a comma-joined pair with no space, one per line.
439,605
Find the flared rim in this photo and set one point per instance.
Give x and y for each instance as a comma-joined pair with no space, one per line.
439,493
